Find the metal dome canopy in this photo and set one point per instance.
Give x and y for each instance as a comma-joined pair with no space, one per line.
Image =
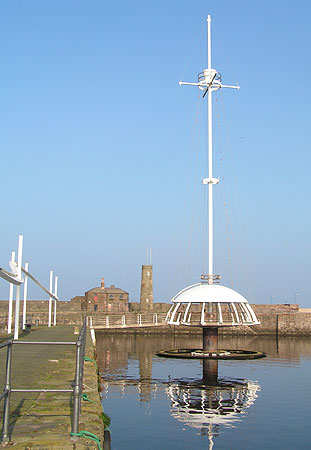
210,305
207,293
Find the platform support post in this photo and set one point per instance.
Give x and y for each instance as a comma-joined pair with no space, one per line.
210,339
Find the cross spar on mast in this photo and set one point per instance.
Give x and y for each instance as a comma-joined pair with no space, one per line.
208,81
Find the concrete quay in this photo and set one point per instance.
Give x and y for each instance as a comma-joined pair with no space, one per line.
43,420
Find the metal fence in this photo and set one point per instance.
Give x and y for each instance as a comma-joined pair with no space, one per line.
77,384
126,320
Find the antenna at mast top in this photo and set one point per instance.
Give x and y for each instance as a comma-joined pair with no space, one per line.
209,79
209,43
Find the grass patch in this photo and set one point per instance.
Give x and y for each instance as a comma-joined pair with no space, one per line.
106,419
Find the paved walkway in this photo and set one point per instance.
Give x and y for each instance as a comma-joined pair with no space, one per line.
43,421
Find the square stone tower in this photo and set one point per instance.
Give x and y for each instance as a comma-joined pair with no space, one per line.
146,290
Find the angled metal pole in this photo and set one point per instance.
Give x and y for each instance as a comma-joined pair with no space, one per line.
18,289
11,300
50,299
38,283
55,301
25,297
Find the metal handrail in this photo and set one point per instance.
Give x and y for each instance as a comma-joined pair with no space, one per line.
124,320
76,389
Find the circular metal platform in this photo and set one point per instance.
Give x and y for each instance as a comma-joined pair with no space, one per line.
203,354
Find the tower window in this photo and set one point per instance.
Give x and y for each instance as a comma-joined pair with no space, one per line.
110,297
95,307
148,274
121,297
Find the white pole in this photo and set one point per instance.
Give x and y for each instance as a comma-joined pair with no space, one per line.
50,299
55,301
209,80
210,159
11,292
209,43
18,289
150,254
25,297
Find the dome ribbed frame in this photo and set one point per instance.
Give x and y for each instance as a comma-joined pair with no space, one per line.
203,305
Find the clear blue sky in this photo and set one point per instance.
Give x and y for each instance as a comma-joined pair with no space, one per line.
102,153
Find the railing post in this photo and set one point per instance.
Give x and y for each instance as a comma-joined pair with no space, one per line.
7,387
107,321
83,338
76,390
18,288
54,321
55,301
123,321
25,298
139,320
11,300
156,318
50,299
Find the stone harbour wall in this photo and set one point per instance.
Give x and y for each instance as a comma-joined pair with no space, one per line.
284,308
298,324
282,319
38,312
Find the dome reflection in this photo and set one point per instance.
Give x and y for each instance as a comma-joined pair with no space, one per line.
209,407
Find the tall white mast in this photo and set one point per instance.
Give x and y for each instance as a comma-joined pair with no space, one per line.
210,158
208,81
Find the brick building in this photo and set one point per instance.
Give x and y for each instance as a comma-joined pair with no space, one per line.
106,299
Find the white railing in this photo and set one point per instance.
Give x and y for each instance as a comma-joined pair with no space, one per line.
126,320
14,277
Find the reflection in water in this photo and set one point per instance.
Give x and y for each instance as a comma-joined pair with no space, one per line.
210,371
192,402
205,404
210,402
206,407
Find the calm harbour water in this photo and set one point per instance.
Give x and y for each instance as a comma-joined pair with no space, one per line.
163,403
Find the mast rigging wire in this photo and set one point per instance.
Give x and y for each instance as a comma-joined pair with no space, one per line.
226,57
193,52
185,272
228,227
236,197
